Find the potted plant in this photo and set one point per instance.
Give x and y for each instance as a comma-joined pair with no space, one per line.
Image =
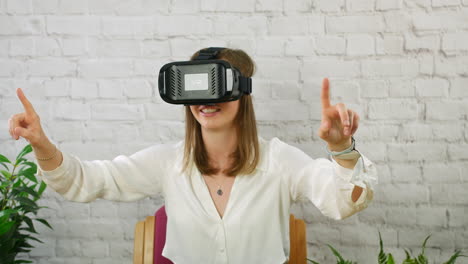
384,258
19,193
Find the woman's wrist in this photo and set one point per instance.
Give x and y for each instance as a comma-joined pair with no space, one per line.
341,146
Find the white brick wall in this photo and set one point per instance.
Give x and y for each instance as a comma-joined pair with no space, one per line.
89,68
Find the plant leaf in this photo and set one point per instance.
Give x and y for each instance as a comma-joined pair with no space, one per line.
5,227
27,149
4,159
44,222
42,188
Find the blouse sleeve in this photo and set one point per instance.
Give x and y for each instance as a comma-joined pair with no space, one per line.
324,182
125,178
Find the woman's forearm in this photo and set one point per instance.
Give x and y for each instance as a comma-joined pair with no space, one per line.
46,150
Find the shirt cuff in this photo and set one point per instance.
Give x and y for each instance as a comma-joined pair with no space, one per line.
57,172
363,174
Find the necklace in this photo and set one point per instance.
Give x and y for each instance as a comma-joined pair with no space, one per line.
219,191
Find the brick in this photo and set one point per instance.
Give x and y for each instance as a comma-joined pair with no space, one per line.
103,208
73,25
360,45
432,87
448,132
445,3
94,68
47,248
4,47
183,47
57,88
393,109
122,7
118,48
449,193
21,25
290,26
459,87
444,110
454,42
270,46
121,249
146,67
185,7
360,5
397,22
435,21
74,46
10,68
72,111
390,67
51,67
413,43
277,110
388,4
405,173
45,6
457,216
451,66
320,68
355,24
68,248
137,89
228,6
73,7
95,249
268,5
417,152
389,45
66,131
371,131
83,89
155,49
329,5
19,6
457,151
47,46
416,193
416,131
163,131
426,64
116,112
300,46
268,69
178,25
128,26
297,6
111,89
441,173
164,112
330,45
285,90
374,89
233,25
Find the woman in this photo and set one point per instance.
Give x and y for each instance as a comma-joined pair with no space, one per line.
227,191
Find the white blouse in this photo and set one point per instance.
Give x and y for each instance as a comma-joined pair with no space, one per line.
255,224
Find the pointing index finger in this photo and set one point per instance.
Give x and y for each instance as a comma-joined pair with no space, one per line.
26,104
325,95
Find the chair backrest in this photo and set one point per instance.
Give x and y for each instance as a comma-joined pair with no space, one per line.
150,237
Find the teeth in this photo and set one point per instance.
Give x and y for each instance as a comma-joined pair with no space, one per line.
209,110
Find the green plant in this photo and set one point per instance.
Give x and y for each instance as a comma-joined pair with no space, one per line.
19,192
384,258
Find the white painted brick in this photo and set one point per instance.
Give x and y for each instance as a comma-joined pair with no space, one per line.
298,6
441,173
329,5
184,47
67,110
117,112
444,110
270,69
418,194
371,131
285,90
118,48
405,173
330,45
284,110
374,89
47,248
57,87
228,6
164,112
317,24
459,87
451,66
397,22
454,42
360,5
244,43
320,68
290,26
448,132
390,67
163,131
74,46
73,7
19,6
111,89
360,45
95,248
47,46
417,152
346,92
389,4
83,89
21,25
413,43
51,67
439,20
457,216
444,3
73,25
4,47
417,4
183,25
144,67
68,248
397,219
45,6
65,131
128,26
416,131
121,249
393,109
234,25
389,45
103,208
426,64
355,24
270,46
122,7
432,87
22,47
185,7
449,193
269,5
458,152
300,46
104,68
153,49
137,89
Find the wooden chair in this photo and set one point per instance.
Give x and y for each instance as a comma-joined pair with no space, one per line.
144,241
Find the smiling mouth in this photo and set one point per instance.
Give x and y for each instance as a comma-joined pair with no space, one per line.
209,110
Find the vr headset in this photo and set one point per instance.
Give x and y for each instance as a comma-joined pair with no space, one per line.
203,81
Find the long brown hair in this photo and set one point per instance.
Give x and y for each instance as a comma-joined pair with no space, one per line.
246,156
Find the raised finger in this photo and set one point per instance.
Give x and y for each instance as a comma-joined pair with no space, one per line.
26,104
325,95
343,112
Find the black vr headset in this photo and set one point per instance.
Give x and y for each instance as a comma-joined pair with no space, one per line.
205,80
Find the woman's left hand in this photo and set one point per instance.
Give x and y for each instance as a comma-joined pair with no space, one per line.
338,123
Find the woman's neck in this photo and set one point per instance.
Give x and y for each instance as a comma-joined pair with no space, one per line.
219,144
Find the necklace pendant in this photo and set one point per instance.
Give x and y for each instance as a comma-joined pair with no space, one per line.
219,192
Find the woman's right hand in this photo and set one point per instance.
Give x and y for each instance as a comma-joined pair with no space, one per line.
27,124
